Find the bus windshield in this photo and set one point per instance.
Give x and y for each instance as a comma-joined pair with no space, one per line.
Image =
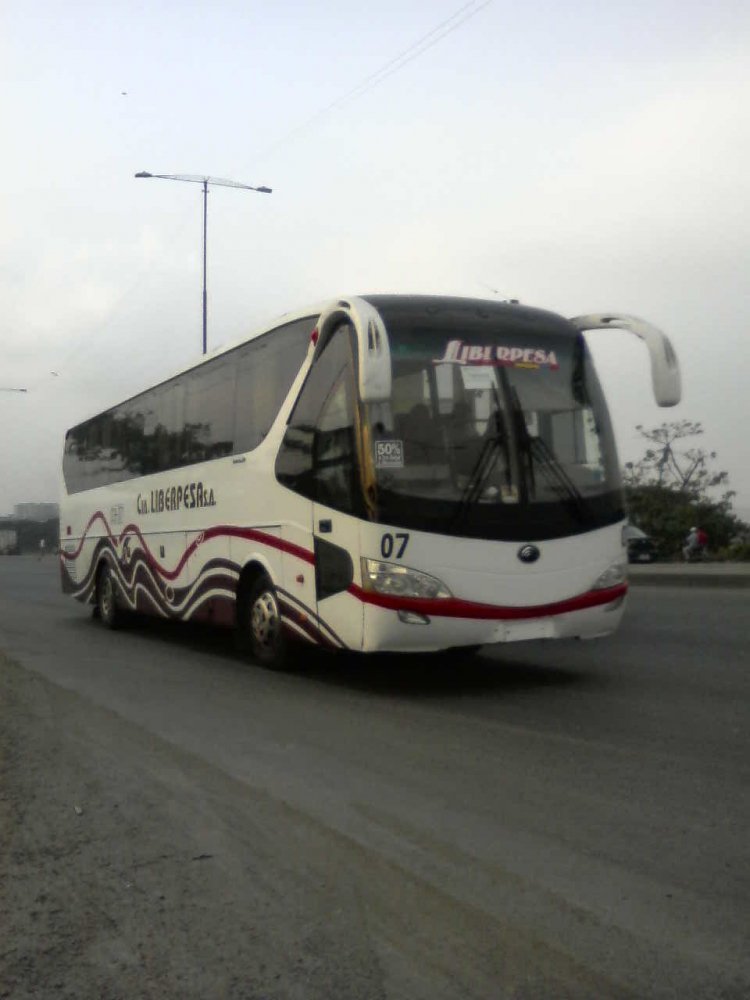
492,430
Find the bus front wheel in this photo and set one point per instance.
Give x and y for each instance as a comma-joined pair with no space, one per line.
262,626
106,598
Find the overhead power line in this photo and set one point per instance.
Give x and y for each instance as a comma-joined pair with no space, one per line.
90,344
416,49
393,65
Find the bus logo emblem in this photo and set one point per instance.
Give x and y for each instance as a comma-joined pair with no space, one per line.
528,553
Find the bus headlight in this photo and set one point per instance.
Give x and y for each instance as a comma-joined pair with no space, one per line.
400,581
612,577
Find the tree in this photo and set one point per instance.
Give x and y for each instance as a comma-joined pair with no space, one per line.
687,471
674,487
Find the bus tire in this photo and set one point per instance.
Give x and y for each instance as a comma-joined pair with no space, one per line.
262,629
109,612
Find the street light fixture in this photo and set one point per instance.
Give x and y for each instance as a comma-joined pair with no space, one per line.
205,181
5,389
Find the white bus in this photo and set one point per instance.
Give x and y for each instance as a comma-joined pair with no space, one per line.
402,473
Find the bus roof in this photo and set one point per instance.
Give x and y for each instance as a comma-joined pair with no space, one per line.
391,307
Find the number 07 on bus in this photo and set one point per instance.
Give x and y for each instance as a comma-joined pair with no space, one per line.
388,472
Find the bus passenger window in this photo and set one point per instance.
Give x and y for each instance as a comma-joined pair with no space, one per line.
266,368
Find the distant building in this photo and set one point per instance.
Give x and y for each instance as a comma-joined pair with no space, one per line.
36,511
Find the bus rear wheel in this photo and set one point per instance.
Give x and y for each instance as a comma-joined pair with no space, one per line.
261,625
110,613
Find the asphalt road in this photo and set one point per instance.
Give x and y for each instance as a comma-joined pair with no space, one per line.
543,821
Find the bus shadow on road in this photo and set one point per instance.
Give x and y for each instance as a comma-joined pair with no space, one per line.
493,669
438,675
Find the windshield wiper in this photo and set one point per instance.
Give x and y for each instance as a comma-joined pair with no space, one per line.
548,461
536,450
485,463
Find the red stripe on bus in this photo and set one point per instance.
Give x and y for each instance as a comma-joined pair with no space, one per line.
451,607
454,607
98,516
250,534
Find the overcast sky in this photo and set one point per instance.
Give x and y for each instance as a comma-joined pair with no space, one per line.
580,157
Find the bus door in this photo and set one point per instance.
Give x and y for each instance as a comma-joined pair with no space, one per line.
336,508
318,459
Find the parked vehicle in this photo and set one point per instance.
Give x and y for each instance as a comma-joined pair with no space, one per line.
8,542
641,548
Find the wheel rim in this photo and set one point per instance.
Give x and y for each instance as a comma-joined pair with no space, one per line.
265,621
106,597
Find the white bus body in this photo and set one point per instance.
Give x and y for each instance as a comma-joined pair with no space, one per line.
388,473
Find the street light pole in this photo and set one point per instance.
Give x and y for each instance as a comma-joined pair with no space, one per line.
205,292
205,181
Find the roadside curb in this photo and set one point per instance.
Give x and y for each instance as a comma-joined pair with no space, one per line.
677,577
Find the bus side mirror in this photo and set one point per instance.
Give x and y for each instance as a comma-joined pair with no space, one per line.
373,347
665,368
375,364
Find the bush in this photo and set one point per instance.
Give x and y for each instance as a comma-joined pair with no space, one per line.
667,515
737,552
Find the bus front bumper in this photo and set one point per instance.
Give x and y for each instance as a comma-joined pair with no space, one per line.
413,626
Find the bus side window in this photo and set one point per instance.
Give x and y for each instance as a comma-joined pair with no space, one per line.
317,455
334,455
266,369
209,410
